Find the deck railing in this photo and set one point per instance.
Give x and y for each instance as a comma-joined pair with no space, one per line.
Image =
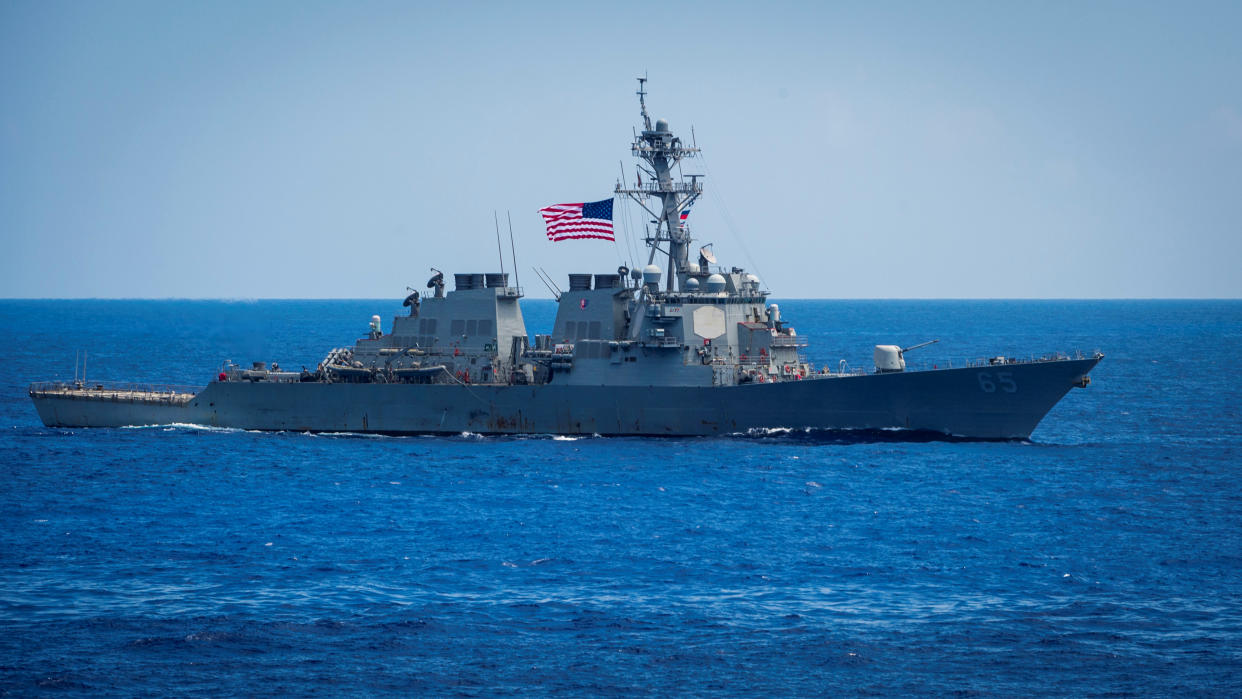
844,369
98,388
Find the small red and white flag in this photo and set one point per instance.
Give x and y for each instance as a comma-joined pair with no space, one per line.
592,219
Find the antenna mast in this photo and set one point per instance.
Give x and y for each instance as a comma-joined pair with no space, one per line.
663,151
501,255
517,281
642,101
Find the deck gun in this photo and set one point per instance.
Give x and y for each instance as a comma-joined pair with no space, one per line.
891,358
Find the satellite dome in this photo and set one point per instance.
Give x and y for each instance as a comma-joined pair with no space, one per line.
651,275
715,284
692,268
692,284
661,125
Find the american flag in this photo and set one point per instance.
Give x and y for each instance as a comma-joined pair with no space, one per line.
592,219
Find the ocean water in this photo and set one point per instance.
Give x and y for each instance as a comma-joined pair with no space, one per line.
1102,557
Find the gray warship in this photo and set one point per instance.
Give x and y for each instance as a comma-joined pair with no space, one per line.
691,349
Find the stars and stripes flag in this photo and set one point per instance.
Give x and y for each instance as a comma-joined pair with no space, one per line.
592,219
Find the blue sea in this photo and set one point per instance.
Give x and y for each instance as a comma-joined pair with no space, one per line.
1103,557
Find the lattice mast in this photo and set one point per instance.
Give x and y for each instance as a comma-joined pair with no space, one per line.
662,151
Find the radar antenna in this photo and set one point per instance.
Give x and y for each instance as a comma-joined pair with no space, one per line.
437,282
706,256
642,101
662,151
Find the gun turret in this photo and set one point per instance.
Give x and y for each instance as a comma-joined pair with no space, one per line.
891,358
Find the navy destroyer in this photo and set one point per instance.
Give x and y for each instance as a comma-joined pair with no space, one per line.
692,348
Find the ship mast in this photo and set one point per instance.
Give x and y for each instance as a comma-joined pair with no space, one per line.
662,151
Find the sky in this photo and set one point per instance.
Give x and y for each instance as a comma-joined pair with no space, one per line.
850,150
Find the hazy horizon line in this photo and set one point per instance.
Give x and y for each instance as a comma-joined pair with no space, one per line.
246,299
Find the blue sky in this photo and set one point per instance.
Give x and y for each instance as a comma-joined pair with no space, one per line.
869,150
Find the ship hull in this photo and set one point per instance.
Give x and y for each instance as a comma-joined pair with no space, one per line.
1003,402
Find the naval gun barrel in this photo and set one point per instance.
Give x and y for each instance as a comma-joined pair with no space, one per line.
921,344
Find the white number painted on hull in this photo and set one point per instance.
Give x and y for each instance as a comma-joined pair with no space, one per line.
1003,378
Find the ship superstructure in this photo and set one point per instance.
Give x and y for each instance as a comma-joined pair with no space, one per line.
691,349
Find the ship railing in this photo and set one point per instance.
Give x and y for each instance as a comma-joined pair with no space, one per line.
661,341
658,188
706,298
998,361
642,149
844,369
110,387
789,341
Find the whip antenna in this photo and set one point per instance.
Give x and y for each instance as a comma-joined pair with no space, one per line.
517,283
499,254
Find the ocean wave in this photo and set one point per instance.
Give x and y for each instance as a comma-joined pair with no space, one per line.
844,435
187,426
353,435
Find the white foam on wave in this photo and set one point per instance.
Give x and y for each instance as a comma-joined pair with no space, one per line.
366,435
174,426
551,436
201,428
766,431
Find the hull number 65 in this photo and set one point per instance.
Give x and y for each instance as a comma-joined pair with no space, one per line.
989,381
